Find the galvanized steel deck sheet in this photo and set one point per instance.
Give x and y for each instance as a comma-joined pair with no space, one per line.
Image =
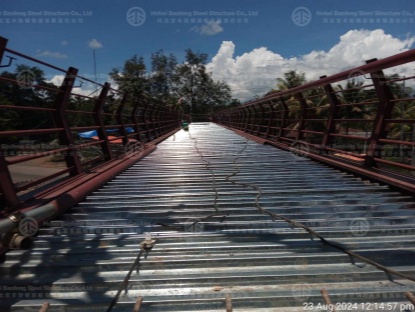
211,240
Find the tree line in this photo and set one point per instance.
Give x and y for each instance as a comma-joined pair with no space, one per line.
186,86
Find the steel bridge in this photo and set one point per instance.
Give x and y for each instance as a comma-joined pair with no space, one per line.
291,202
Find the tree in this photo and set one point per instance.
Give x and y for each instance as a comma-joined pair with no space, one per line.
196,89
26,91
353,94
163,69
132,78
291,79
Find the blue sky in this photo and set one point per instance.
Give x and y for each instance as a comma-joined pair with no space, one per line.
247,24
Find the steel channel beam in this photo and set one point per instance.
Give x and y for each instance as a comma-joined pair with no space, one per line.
99,122
384,111
285,115
302,123
6,183
120,119
334,109
61,121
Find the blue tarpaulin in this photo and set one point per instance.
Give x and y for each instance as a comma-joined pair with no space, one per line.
90,134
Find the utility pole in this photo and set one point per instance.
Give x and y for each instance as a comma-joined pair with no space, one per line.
95,65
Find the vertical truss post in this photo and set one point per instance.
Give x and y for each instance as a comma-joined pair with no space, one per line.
271,118
334,109
61,121
285,115
120,119
99,121
238,122
3,45
302,123
251,118
144,118
261,119
247,119
135,121
160,120
6,181
384,111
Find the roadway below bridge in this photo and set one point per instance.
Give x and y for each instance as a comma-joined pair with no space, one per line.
211,221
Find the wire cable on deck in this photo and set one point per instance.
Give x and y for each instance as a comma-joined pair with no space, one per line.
124,284
145,247
274,216
208,167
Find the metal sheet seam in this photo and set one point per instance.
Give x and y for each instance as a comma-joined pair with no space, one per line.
274,216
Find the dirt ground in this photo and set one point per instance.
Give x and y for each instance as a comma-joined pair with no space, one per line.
35,169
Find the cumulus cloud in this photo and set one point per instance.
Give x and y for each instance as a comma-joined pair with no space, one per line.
210,28
56,55
94,44
84,89
64,43
254,73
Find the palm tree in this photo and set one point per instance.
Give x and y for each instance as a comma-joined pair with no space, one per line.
291,79
350,94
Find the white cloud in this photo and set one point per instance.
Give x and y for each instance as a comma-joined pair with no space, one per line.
255,72
64,43
210,28
56,55
94,44
84,89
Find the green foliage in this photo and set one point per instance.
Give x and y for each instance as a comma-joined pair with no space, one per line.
187,87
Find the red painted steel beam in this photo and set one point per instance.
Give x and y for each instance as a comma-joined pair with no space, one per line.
285,117
99,122
301,126
384,111
271,118
334,109
6,183
136,122
61,121
3,45
120,119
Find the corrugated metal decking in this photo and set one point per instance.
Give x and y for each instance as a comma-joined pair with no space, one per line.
212,243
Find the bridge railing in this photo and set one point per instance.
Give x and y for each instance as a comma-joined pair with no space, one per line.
79,125
362,119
